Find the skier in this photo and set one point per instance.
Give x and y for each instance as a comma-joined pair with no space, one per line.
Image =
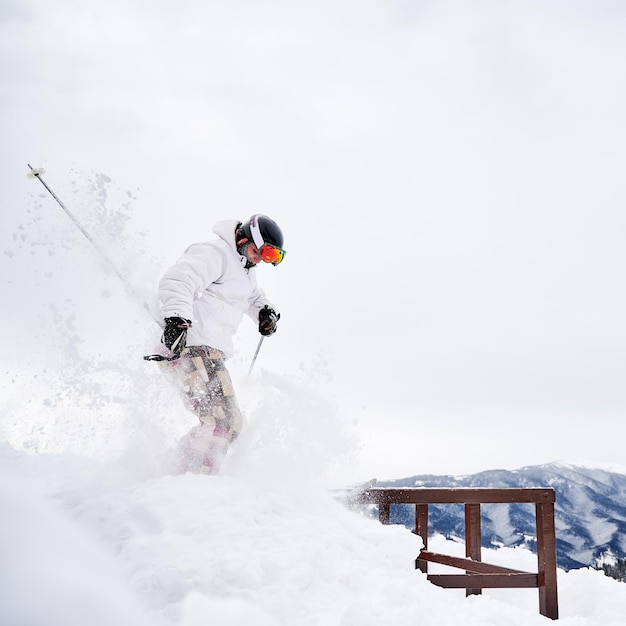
203,298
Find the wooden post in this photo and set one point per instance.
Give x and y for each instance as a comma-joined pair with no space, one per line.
473,539
384,509
421,530
546,560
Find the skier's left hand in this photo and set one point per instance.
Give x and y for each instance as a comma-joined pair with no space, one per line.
267,320
175,334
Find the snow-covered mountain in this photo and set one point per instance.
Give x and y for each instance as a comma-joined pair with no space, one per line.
590,510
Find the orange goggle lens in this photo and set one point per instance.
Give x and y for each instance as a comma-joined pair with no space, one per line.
270,254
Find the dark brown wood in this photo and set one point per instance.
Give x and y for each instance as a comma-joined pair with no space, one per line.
421,530
546,560
462,496
384,512
472,538
483,581
473,567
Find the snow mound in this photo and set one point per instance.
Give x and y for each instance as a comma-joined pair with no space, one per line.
86,543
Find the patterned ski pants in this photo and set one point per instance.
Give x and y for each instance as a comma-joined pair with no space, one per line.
208,392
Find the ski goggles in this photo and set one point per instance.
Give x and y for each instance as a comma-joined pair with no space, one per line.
271,254
268,252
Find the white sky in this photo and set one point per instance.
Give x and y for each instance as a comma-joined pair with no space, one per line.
448,175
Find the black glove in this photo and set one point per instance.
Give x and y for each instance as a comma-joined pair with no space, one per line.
175,334
267,320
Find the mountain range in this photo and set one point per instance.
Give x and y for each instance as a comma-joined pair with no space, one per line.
590,511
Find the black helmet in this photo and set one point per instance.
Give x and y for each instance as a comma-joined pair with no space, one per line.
265,234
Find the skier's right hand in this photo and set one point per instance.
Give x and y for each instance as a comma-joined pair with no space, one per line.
267,321
175,334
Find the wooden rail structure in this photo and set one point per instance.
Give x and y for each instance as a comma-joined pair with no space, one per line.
479,575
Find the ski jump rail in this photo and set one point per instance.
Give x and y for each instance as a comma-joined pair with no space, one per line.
479,575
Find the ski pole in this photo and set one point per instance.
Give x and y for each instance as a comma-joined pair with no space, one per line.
256,354
36,173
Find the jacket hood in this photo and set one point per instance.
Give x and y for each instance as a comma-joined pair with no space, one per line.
226,230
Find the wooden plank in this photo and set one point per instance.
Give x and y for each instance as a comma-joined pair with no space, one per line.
458,496
483,581
467,564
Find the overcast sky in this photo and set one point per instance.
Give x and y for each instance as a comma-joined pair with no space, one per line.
449,177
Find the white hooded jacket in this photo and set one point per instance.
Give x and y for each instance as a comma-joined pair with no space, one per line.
210,286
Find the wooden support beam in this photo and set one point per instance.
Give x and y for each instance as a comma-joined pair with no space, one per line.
384,509
453,496
473,567
483,581
472,538
546,561
421,530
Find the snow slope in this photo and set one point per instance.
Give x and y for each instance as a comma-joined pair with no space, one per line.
85,542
